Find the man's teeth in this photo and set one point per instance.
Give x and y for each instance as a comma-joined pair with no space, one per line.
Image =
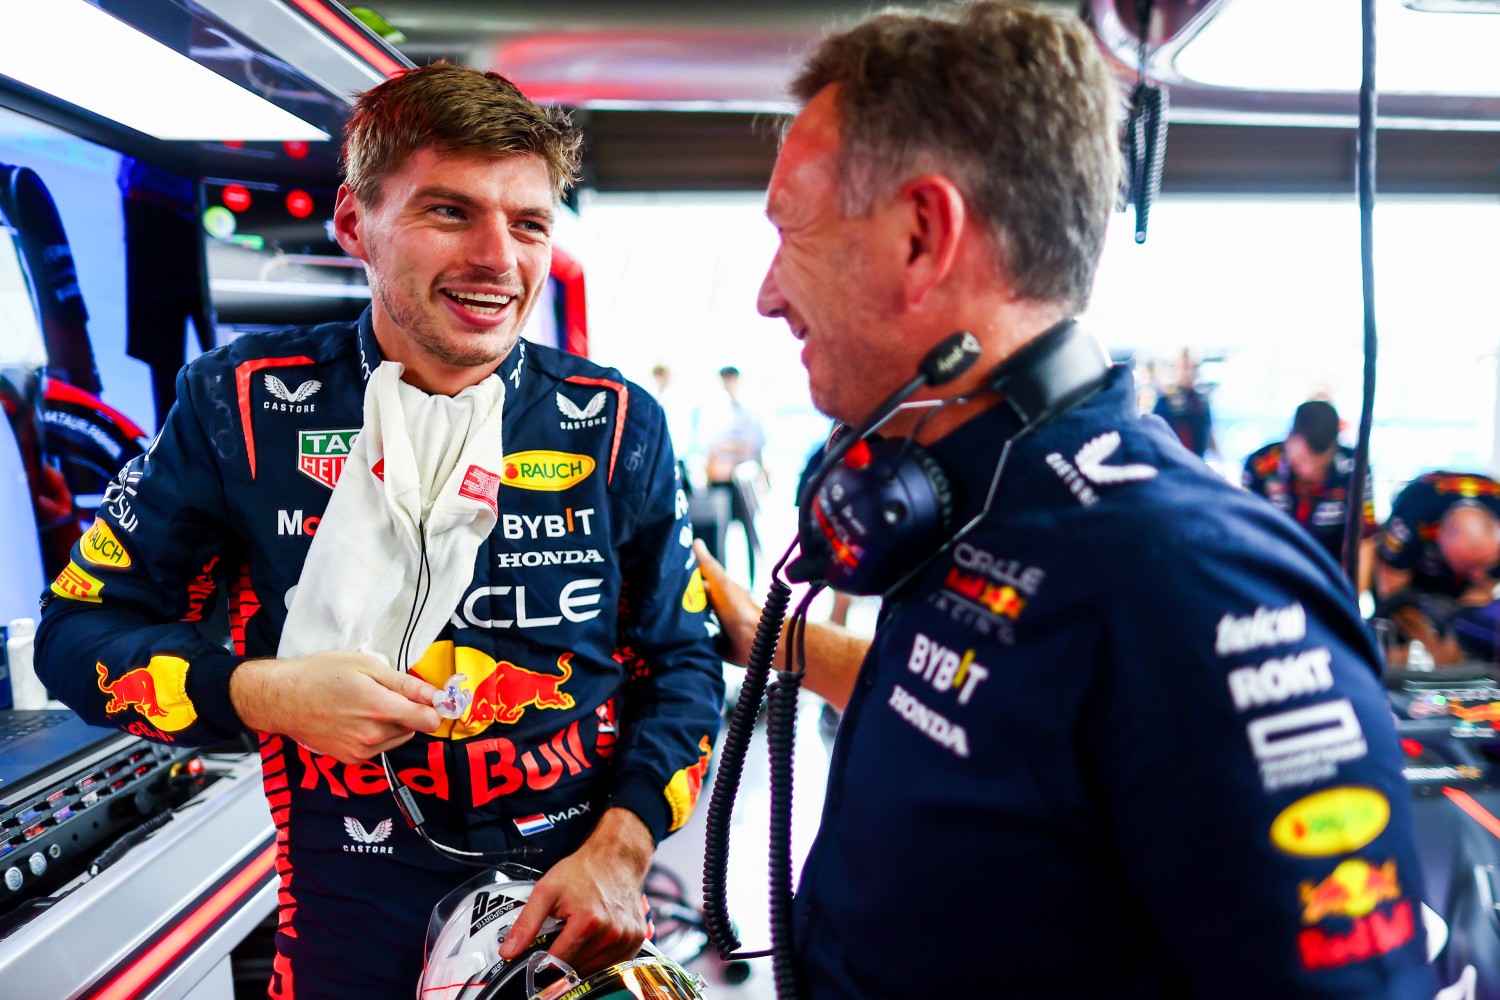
483,303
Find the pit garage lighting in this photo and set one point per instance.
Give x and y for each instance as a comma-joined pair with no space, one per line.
79,54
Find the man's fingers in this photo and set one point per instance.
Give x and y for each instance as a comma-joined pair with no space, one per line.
414,710
525,929
409,686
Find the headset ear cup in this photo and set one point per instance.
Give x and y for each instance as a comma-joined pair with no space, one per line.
937,481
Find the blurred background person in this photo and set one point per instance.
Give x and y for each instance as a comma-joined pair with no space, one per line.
1185,407
1306,476
734,439
1437,555
680,418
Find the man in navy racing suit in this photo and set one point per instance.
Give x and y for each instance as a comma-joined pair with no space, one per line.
1439,557
1124,737
591,695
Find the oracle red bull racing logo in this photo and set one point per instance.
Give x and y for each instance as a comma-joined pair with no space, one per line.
491,690
157,692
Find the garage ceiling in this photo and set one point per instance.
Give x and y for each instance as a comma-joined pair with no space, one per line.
679,96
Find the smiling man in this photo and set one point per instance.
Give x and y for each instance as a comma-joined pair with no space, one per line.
426,528
1120,735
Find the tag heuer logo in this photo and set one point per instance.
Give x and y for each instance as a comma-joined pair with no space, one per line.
321,454
291,400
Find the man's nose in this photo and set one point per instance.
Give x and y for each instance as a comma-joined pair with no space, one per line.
769,302
493,246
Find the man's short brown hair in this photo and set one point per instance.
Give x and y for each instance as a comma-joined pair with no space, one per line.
1015,106
452,109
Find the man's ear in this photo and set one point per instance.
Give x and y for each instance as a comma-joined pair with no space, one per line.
348,223
935,217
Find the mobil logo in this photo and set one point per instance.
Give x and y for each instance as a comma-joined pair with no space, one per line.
294,522
545,471
321,454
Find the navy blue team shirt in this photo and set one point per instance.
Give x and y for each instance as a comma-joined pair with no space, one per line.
1126,739
1409,541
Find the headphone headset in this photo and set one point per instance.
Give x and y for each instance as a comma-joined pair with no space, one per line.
878,510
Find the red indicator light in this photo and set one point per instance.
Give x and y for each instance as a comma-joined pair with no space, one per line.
299,203
1412,747
234,143
236,197
295,148
858,456
195,766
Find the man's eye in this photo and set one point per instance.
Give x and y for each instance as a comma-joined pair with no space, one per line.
447,211
535,227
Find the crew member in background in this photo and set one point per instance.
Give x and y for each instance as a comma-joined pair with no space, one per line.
1438,553
734,439
1185,407
460,510
1307,477
1099,744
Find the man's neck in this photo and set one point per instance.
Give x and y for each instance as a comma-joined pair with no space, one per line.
424,371
1001,334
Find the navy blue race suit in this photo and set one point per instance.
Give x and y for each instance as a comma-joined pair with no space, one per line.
582,634
1124,740
1318,507
1409,540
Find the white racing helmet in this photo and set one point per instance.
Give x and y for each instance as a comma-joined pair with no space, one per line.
462,960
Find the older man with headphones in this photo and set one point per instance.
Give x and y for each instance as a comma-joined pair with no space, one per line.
1119,732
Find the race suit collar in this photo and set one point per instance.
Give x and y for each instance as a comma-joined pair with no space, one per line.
370,356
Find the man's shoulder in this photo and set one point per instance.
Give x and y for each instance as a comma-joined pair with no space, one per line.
1126,486
1265,460
563,367
316,344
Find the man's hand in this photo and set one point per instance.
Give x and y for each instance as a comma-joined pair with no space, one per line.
350,706
597,892
738,613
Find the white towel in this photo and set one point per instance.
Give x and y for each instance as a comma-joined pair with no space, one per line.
422,465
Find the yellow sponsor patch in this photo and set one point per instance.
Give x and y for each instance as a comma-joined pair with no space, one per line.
157,692
76,584
100,547
1333,821
683,789
545,471
695,598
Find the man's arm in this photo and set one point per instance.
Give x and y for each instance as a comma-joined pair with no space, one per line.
119,643
1215,771
671,705
834,654
597,891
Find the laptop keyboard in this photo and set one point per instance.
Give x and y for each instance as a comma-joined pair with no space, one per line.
14,725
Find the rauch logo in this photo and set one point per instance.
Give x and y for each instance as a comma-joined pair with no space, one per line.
546,471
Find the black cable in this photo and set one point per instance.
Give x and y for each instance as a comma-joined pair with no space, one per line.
781,738
732,765
1354,507
129,839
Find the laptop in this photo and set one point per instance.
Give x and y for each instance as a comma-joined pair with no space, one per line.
45,746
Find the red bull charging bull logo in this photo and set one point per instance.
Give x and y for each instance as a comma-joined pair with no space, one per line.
157,691
491,691
1352,890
